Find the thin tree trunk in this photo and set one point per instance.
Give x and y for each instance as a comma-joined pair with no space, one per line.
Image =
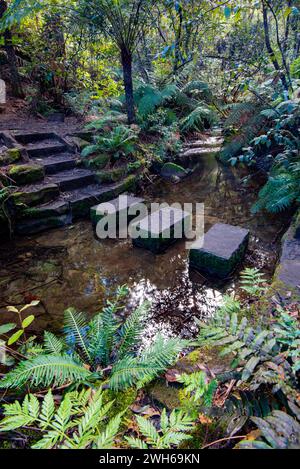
16,86
126,58
270,48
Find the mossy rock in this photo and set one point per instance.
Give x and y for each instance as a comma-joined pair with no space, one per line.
26,174
122,401
173,172
112,175
129,184
36,197
98,162
80,143
10,156
166,396
54,210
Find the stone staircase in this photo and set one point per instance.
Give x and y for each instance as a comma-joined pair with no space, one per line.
210,143
56,190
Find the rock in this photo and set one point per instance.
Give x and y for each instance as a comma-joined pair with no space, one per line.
112,175
287,276
116,208
78,142
26,174
159,230
10,156
173,172
40,195
99,162
223,249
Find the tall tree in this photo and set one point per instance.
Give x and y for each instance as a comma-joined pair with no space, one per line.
123,21
16,85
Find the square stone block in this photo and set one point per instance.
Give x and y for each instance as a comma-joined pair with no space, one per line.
223,249
162,228
116,208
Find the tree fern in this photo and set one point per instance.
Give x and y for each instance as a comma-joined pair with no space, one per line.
198,119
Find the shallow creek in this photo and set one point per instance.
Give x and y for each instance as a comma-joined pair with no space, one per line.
69,267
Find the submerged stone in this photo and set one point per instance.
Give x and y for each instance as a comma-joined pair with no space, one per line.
223,249
162,228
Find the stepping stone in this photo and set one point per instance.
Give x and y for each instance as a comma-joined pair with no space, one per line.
159,230
116,208
34,137
223,249
55,164
73,179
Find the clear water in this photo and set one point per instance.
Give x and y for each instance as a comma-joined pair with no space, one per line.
69,267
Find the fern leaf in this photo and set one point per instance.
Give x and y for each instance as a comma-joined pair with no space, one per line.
45,371
52,343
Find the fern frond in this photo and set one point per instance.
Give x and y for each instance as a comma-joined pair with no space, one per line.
76,328
45,371
130,333
52,343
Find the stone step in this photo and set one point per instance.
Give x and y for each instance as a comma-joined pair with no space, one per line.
34,195
55,164
82,200
42,151
72,179
51,209
34,137
33,226
159,230
198,152
209,142
223,248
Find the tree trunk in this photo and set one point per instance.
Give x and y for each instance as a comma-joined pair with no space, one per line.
16,86
126,58
270,48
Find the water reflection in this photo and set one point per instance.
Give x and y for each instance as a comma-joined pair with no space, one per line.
69,267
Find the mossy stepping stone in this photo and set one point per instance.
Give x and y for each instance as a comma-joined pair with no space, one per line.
162,228
223,249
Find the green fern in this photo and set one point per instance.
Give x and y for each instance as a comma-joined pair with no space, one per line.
45,371
172,431
252,281
74,424
198,119
197,389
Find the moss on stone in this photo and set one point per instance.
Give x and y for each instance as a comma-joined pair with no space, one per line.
12,155
167,396
36,197
112,175
98,162
26,174
122,401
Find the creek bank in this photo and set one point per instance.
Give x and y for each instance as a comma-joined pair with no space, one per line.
286,281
